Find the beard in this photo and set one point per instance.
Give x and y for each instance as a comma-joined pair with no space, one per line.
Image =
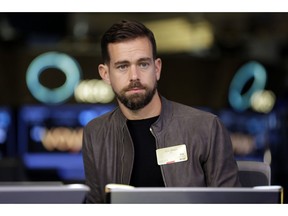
136,101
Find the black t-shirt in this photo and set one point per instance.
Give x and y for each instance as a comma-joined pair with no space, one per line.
146,172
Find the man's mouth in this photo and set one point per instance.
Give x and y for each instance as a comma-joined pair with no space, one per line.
135,89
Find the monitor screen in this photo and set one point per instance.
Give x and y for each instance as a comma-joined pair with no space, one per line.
250,132
43,193
50,137
207,195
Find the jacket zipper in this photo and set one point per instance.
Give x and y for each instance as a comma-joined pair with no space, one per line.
122,159
156,141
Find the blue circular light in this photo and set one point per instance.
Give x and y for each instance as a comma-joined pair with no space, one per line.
56,60
248,71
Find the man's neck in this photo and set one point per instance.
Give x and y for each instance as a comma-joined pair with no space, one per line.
150,110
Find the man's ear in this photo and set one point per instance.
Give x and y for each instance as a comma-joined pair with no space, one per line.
104,73
158,67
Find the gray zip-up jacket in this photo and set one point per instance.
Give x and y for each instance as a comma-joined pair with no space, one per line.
108,150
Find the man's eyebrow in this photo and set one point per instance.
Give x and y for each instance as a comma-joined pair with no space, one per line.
121,62
127,62
145,59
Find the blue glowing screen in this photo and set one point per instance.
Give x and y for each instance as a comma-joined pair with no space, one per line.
50,137
7,138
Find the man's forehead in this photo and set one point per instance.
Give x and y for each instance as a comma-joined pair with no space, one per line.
131,43
132,49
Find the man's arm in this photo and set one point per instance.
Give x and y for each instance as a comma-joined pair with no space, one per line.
221,167
91,175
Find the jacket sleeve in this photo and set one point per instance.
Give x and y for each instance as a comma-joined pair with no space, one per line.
90,169
221,167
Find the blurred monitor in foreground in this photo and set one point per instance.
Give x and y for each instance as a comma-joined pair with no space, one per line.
209,195
43,194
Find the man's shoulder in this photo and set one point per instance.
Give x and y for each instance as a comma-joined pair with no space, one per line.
102,120
186,110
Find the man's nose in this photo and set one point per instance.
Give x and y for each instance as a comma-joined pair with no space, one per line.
134,73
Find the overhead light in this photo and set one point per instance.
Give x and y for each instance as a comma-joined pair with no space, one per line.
180,35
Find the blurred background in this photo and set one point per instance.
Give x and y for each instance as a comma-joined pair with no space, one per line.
232,64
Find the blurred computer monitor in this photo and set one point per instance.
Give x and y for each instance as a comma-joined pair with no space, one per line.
43,193
50,139
184,195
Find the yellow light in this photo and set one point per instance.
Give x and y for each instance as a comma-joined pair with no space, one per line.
263,101
179,35
93,91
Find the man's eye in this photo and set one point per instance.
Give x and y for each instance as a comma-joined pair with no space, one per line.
144,65
122,67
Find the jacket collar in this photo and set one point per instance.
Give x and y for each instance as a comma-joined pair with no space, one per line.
165,115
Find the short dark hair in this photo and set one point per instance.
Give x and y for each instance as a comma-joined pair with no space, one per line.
123,31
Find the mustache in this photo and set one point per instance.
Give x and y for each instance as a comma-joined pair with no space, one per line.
135,84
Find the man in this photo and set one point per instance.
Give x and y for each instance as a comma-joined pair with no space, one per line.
149,141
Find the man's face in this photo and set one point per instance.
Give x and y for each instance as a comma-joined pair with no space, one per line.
133,74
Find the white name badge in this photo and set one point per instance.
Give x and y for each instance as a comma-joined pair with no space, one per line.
171,154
